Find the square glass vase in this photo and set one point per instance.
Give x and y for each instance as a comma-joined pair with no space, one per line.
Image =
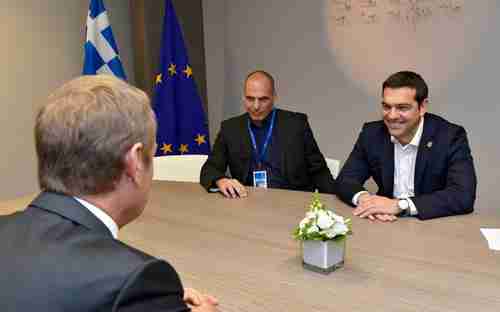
323,256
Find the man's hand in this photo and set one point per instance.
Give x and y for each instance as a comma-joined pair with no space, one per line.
385,217
231,188
377,207
200,302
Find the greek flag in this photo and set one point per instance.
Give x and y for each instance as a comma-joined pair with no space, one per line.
101,51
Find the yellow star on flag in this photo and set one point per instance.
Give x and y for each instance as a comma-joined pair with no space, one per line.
172,69
188,71
158,79
200,139
166,148
183,149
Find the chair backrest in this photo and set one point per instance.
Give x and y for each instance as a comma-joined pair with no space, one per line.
334,166
183,168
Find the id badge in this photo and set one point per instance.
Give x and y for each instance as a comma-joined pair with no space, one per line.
260,178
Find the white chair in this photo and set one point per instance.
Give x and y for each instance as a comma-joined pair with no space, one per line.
183,168
334,166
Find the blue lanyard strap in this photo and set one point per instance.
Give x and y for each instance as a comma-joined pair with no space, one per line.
260,157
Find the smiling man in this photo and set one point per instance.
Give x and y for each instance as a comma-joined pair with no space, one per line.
265,147
421,163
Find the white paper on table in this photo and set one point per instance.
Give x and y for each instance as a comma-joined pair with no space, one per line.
493,238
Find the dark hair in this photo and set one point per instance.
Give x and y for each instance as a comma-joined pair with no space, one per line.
410,80
265,74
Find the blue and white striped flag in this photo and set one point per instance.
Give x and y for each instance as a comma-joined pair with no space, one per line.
101,51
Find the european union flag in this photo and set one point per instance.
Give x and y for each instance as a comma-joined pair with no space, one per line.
182,124
101,51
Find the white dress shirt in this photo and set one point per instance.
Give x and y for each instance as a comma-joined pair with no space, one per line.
404,169
405,158
101,215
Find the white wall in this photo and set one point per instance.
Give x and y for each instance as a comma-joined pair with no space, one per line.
42,47
214,26
291,39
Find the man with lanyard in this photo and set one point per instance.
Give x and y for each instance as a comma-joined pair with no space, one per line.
265,147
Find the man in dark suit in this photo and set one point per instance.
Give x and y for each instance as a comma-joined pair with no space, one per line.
421,163
95,143
265,147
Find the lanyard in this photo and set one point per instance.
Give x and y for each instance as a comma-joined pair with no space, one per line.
260,157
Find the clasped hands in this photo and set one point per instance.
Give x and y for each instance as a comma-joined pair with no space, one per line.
377,208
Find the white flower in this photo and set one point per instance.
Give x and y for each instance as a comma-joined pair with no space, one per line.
312,229
338,218
340,228
310,215
324,220
304,222
336,230
330,233
321,223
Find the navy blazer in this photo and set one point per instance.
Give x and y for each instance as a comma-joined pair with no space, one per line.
304,167
445,179
57,256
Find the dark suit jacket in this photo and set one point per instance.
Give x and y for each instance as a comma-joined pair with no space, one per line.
304,166
57,256
445,179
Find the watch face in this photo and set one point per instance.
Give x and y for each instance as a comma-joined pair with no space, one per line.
403,204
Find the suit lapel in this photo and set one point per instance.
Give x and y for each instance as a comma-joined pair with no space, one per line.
280,139
246,149
69,208
424,151
388,165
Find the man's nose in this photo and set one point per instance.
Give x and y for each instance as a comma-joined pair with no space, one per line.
256,104
392,113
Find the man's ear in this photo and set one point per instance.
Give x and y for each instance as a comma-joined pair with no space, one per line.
134,164
423,107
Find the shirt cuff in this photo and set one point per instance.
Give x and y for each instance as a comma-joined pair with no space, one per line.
356,197
413,208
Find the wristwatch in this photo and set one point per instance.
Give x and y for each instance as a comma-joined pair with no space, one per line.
404,207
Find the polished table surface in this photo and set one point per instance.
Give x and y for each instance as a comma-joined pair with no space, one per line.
242,252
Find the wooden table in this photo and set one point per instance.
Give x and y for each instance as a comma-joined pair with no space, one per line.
242,252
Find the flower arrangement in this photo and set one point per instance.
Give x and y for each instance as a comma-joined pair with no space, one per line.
321,224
